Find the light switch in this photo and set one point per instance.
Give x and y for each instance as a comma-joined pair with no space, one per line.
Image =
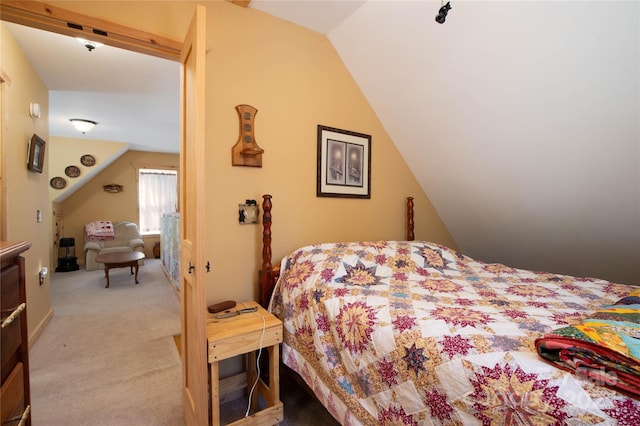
38,216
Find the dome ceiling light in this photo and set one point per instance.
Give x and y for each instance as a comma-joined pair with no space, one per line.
82,125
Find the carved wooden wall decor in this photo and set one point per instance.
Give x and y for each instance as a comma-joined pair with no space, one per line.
246,151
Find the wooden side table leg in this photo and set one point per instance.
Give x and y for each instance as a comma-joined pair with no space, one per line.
136,272
270,392
215,394
252,375
106,274
274,373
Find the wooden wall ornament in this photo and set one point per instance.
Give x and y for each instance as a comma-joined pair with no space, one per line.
246,151
113,188
88,160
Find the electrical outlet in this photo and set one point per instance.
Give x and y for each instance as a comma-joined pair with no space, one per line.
38,216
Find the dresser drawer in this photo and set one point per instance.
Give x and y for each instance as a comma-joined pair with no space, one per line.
12,394
10,292
10,340
14,349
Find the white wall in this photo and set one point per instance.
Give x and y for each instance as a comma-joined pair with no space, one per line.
519,119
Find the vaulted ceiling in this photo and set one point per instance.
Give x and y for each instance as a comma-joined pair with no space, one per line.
521,120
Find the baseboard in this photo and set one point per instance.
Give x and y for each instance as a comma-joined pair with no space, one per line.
40,328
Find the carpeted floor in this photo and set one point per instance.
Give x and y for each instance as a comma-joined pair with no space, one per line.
109,357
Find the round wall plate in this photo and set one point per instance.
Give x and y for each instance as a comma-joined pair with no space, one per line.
58,182
72,171
87,160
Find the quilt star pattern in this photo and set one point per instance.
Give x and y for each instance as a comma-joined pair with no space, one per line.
415,333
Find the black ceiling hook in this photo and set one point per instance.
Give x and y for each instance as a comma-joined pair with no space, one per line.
442,13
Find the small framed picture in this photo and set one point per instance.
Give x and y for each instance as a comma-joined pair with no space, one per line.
35,157
344,163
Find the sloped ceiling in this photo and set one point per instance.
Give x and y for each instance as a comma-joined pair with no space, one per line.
521,120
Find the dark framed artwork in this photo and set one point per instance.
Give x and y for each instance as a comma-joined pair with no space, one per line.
344,163
35,158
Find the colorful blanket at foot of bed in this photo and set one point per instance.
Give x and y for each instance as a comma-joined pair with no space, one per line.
605,348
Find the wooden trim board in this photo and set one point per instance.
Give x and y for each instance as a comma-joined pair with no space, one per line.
44,16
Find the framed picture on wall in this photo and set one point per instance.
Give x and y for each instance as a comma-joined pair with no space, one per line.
344,163
35,157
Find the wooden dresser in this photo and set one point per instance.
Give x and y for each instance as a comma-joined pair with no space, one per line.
14,394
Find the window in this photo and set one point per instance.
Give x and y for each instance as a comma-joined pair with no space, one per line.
157,194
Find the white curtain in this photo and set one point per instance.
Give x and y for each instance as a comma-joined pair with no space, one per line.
158,194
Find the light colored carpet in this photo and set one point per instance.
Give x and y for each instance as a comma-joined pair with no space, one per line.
108,357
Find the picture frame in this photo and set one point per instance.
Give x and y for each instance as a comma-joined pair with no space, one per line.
35,157
344,163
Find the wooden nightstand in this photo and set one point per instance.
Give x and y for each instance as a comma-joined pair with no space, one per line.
245,334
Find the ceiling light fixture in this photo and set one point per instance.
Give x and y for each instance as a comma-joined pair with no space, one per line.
82,125
90,45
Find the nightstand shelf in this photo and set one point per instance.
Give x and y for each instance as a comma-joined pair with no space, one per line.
245,334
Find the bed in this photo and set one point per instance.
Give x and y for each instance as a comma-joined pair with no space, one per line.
414,333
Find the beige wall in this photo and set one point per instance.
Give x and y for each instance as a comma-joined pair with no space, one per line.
296,80
91,202
27,191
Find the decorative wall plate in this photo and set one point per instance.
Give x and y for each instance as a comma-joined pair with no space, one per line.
114,188
87,160
72,171
58,182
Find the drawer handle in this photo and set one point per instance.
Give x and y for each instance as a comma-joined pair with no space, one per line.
14,315
23,418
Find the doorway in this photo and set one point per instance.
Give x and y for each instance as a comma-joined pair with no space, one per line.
22,13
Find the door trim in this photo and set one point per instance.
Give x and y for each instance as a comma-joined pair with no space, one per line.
193,224
61,21
4,81
42,16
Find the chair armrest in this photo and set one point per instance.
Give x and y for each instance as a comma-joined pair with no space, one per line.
136,242
91,245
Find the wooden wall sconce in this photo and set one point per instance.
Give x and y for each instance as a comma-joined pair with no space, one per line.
246,151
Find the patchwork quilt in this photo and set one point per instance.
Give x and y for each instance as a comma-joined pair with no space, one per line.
605,347
414,333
